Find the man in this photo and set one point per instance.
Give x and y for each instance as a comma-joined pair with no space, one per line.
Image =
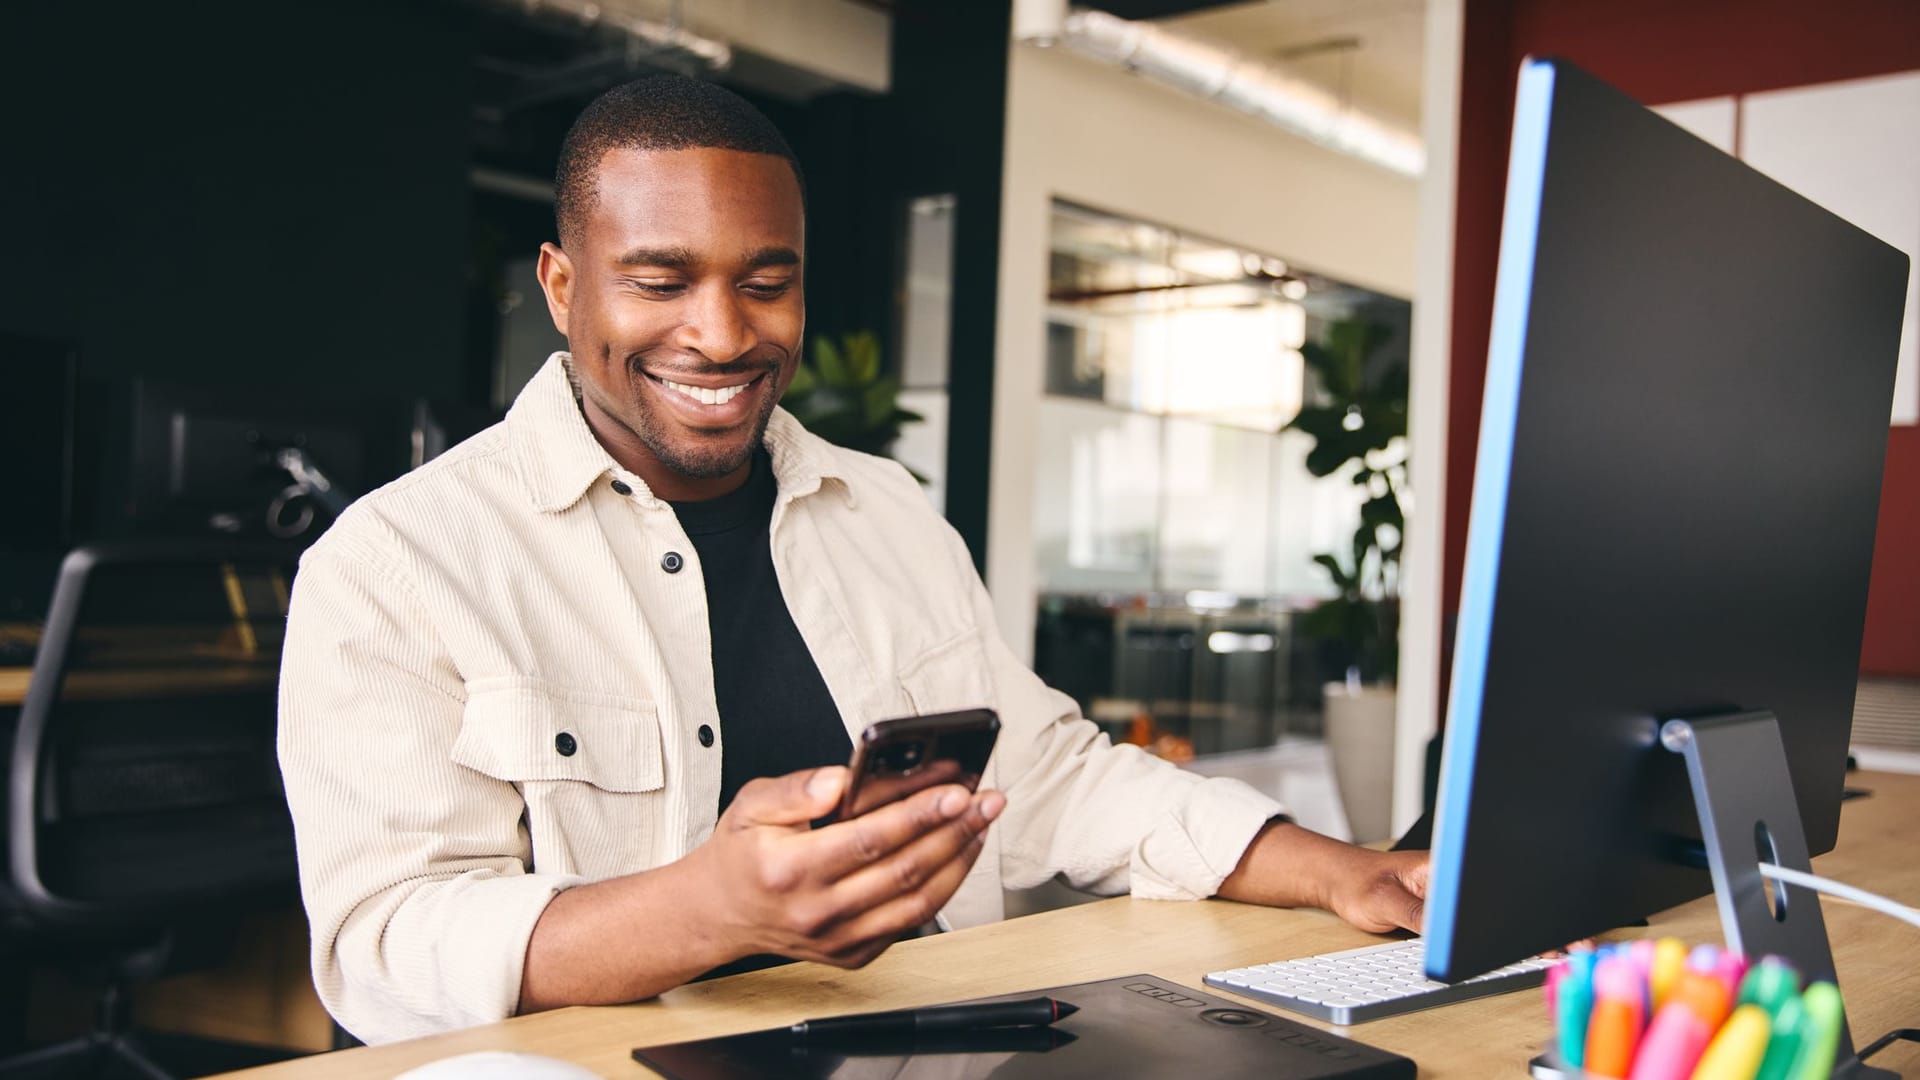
558,708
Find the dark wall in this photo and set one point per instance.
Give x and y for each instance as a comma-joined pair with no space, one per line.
948,135
254,199
853,217
236,193
1662,52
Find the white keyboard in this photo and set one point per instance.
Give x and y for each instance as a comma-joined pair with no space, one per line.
1370,983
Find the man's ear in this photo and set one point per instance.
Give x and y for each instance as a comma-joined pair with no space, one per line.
556,280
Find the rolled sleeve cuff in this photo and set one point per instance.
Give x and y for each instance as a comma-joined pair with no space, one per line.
467,972
1193,848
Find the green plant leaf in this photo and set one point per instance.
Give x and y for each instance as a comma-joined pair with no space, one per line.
862,350
827,358
802,384
879,400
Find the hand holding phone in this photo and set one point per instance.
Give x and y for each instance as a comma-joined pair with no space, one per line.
895,758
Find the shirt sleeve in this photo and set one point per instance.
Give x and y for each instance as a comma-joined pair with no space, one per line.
414,870
1110,819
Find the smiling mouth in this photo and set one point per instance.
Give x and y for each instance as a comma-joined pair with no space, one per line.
707,395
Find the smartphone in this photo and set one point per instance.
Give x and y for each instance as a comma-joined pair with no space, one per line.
895,758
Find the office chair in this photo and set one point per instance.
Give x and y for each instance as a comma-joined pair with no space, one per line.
144,804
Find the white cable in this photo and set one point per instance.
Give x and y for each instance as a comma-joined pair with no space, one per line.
1846,892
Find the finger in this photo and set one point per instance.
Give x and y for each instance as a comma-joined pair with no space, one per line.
918,861
1415,877
846,846
1407,909
795,799
895,917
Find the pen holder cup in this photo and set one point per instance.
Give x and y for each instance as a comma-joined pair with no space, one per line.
1549,1066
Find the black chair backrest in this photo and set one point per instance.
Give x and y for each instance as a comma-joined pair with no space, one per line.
143,780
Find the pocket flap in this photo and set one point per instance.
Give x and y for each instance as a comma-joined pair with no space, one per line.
951,675
518,732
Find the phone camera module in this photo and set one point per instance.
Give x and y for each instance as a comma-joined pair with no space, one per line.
902,758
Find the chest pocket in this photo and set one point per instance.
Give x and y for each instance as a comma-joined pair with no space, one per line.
589,767
951,675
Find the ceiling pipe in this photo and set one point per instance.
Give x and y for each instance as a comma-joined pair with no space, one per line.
643,35
1218,74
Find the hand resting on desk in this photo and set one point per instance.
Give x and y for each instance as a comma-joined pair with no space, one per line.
1288,866
764,882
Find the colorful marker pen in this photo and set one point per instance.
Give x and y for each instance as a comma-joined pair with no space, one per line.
1783,1044
1730,968
1669,959
1769,984
1641,953
1575,1002
1613,1029
1822,1041
1735,1053
1695,1007
1555,975
1704,959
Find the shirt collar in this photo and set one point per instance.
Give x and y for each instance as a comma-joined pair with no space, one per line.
558,457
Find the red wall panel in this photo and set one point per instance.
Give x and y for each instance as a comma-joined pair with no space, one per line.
1661,51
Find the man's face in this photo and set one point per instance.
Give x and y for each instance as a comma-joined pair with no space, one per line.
681,299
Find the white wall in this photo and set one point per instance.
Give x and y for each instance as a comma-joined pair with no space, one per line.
1084,132
1418,708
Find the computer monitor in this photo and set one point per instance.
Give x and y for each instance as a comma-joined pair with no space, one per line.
1679,474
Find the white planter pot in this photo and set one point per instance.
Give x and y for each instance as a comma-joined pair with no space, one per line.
1360,739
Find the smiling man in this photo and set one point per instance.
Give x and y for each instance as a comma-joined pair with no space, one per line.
558,709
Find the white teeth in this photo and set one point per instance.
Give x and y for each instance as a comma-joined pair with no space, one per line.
707,395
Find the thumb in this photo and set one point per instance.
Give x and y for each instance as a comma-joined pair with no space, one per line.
794,799
1415,877
1411,912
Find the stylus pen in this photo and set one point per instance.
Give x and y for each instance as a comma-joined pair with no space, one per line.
1028,1013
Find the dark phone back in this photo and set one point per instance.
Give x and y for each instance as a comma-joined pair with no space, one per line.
896,758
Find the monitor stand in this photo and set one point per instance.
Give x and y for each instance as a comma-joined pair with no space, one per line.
1744,795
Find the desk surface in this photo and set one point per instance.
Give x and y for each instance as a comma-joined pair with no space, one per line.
122,683
1878,961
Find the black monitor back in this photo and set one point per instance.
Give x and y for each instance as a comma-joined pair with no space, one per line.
1673,515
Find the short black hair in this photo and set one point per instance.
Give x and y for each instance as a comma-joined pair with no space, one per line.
660,112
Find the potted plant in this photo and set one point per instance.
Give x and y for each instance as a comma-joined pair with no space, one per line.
1359,423
843,397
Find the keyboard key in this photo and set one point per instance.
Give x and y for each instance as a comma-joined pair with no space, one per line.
1356,985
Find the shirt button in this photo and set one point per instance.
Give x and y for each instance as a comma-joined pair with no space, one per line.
671,562
706,735
566,743
621,487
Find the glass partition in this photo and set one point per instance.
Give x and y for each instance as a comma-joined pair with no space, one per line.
1175,518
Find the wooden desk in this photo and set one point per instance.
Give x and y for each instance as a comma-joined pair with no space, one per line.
1878,961
119,684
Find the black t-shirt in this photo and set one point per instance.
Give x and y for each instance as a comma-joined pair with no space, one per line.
776,715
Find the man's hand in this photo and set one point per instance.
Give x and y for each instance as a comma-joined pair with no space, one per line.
1288,866
764,882
839,894
1381,891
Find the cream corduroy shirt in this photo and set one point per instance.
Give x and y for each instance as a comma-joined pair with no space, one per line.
451,626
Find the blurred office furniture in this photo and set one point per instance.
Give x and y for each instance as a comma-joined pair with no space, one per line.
1217,672
145,815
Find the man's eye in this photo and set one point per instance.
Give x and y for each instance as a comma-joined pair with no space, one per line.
658,288
768,289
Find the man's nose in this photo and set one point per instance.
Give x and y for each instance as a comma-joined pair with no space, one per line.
715,324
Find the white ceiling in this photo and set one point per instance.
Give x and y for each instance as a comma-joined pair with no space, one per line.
1368,52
